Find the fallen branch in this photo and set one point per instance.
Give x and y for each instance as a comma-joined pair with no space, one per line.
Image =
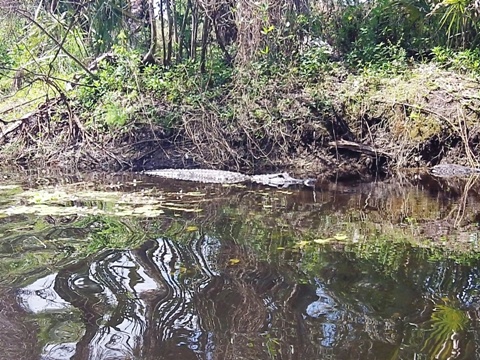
20,105
13,125
359,148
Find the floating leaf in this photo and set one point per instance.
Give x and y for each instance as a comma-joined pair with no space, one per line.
267,30
322,241
9,187
166,204
340,237
195,193
177,208
147,210
233,261
265,51
192,228
240,186
301,244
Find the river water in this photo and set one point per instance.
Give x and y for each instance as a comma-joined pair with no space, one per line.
126,266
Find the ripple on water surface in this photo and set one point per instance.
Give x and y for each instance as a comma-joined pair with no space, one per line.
131,267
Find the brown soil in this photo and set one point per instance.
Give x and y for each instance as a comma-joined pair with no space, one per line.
347,127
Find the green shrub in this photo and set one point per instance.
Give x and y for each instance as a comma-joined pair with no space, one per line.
313,62
464,61
6,60
390,58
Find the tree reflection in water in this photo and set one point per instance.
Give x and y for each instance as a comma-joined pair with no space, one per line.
181,300
245,286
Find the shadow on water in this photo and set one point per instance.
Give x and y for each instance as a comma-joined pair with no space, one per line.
360,271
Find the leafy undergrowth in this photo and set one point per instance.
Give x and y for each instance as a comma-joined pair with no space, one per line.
253,118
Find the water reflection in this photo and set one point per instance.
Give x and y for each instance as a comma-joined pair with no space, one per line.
190,301
258,274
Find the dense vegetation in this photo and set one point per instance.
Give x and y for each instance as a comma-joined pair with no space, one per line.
242,84
261,81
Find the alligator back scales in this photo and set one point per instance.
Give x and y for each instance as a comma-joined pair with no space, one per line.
201,175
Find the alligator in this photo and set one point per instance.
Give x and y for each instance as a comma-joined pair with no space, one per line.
279,180
451,170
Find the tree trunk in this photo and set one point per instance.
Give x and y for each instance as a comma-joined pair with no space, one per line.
162,27
168,59
206,30
182,43
149,57
194,36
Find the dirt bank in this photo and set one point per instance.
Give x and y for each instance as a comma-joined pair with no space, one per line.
345,126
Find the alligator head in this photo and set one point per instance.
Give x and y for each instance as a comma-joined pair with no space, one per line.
451,170
281,180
